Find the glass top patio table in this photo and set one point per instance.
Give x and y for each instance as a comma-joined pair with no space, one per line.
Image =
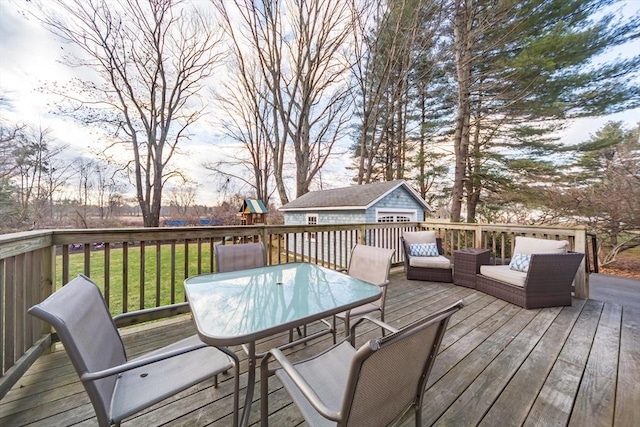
240,307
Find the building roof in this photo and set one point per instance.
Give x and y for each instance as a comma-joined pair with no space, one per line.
253,206
354,197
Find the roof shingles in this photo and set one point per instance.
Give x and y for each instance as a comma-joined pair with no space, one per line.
356,196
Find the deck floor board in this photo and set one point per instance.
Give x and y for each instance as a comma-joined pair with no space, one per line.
516,399
627,410
498,365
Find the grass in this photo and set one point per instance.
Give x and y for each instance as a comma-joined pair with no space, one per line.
157,287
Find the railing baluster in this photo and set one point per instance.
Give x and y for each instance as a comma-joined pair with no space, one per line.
125,277
143,256
158,273
107,273
173,272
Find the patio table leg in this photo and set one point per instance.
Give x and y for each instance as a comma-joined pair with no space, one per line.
251,380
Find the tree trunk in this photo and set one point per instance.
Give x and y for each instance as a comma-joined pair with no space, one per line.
462,46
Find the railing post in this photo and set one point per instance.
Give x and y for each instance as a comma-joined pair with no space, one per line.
46,285
582,279
264,236
478,237
362,235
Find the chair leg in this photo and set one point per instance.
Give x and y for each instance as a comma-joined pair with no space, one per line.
300,334
215,381
264,393
418,415
334,330
347,324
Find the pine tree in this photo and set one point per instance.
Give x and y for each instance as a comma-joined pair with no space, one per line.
523,69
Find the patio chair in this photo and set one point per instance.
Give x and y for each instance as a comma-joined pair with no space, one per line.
372,265
371,386
540,274
422,264
240,257
118,387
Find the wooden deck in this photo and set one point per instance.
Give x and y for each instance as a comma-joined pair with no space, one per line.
498,365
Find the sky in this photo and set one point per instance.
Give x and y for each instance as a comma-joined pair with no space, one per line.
29,58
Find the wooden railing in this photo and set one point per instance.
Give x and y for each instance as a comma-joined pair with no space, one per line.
141,268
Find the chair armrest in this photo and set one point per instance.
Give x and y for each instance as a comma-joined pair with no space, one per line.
380,323
376,321
549,271
300,382
134,364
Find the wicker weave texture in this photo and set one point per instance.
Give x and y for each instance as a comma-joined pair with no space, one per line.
548,282
426,274
466,264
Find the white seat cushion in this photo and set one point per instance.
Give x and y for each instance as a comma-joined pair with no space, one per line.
504,274
429,261
413,237
531,245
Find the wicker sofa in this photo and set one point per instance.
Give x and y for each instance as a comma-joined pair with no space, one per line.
547,281
432,269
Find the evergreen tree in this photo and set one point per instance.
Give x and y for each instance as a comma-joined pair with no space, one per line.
523,69
602,189
401,58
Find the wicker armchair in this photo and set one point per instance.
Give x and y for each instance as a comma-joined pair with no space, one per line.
546,283
439,271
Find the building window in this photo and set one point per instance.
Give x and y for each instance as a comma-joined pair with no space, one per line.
395,216
312,219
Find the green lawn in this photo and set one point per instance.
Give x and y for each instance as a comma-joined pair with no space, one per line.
115,297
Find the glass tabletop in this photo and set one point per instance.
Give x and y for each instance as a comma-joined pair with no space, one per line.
242,306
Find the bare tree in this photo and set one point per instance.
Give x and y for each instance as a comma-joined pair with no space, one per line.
96,184
248,121
9,136
300,55
148,61
107,187
84,169
181,198
38,173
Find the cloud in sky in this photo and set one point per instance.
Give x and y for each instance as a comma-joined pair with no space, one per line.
29,57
